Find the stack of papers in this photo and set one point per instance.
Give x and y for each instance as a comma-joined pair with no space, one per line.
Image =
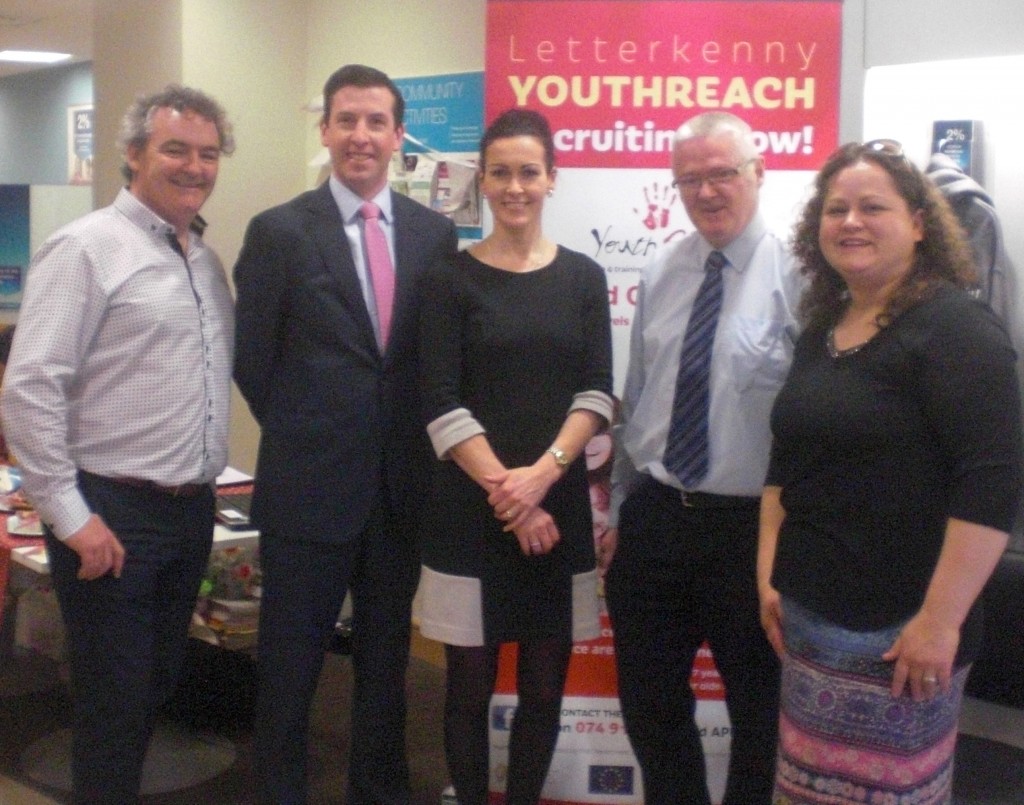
24,524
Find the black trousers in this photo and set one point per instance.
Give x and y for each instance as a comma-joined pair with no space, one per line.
127,637
682,575
304,586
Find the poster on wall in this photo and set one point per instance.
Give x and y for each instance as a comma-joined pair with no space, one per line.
438,165
80,142
616,78
14,243
438,162
960,140
593,762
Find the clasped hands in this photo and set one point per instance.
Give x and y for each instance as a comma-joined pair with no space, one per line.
515,497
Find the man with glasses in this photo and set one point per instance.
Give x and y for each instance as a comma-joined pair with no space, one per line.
711,343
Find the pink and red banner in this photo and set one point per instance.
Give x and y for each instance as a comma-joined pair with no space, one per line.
616,77
593,762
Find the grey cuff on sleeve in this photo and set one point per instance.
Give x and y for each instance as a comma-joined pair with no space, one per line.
449,429
595,401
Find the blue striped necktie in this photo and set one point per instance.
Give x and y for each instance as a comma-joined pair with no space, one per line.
686,450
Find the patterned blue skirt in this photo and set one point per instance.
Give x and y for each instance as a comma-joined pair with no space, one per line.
843,738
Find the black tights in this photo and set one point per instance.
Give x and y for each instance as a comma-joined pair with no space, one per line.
540,680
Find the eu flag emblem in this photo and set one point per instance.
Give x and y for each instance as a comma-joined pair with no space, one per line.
611,780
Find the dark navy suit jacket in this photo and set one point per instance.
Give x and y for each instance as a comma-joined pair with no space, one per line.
339,420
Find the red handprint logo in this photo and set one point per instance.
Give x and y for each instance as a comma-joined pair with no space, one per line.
658,201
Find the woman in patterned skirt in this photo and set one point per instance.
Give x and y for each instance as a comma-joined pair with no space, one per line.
894,480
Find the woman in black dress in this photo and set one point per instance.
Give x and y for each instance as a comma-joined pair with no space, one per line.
516,371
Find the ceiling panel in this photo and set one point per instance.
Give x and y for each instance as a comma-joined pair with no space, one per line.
59,25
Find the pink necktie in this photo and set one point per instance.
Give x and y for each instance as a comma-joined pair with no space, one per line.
382,272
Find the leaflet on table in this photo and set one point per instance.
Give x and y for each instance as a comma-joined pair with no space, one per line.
11,497
25,524
231,476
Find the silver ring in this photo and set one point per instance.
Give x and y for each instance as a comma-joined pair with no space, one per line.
535,544
931,680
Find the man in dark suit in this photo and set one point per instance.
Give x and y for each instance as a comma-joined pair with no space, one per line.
343,459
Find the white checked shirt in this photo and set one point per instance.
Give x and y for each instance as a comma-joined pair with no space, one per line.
121,363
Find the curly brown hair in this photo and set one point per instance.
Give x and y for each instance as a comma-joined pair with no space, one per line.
137,123
942,256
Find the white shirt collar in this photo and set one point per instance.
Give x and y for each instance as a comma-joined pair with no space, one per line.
349,203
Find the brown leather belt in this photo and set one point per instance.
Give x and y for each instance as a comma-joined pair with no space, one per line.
177,491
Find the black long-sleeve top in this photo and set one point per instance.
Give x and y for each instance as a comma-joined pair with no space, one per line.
877,449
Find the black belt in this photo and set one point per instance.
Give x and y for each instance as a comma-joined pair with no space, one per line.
175,491
705,500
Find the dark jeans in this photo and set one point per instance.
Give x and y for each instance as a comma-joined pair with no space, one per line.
304,586
682,575
127,636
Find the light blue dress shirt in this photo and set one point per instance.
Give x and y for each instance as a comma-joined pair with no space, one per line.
757,330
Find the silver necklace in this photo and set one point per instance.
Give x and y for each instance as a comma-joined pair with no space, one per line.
833,352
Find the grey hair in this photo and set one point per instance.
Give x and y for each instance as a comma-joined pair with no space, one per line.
711,124
137,124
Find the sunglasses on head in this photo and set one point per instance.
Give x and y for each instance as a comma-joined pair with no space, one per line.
884,147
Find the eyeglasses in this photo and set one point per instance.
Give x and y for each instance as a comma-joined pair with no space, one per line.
720,176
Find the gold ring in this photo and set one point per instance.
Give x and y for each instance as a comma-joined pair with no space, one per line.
931,680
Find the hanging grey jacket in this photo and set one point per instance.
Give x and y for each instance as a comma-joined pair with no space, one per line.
996,276
973,207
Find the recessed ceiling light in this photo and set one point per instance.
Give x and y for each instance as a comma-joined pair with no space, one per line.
33,56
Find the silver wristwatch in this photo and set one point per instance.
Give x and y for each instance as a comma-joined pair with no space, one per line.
561,459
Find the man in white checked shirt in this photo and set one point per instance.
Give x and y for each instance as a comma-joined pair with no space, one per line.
115,403
711,344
